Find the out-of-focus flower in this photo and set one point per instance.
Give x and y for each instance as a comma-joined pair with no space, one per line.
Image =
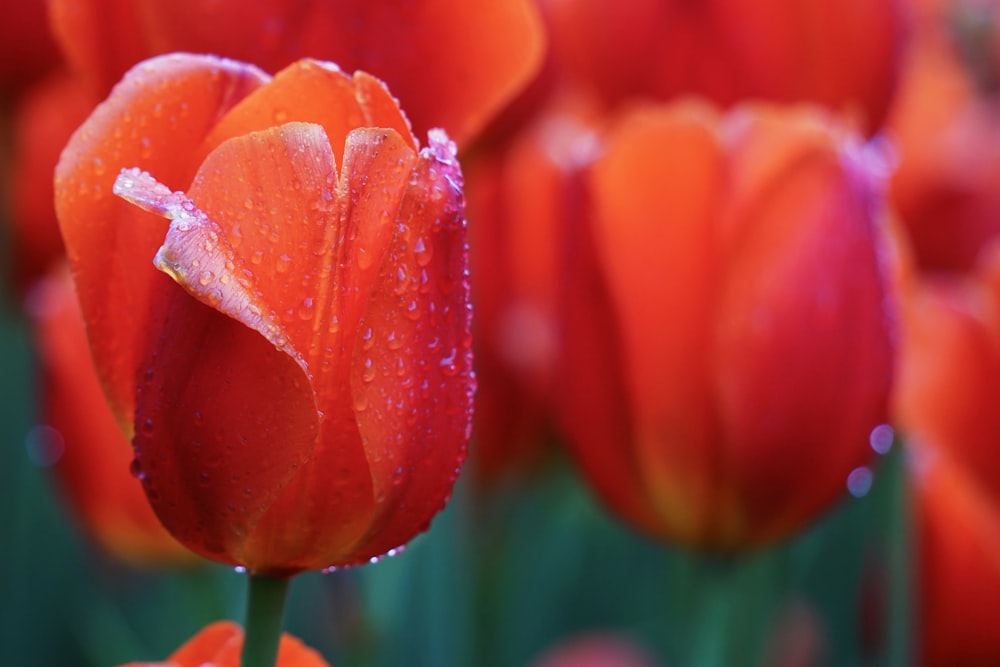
946,124
453,64
27,49
596,650
301,390
220,644
842,54
524,201
92,458
44,118
948,388
728,335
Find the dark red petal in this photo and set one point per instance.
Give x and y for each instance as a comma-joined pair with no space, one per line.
157,117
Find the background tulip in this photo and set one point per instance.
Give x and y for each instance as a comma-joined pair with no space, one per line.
729,349
326,249
219,644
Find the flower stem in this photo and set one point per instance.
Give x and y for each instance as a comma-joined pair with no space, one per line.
265,616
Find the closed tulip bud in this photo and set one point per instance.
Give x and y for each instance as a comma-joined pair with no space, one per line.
728,342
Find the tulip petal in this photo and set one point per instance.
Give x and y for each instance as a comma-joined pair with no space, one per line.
316,92
111,243
655,223
413,383
803,329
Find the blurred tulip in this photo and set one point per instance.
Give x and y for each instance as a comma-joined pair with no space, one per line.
523,200
27,49
93,457
947,130
44,118
844,55
304,382
220,644
948,387
728,343
453,64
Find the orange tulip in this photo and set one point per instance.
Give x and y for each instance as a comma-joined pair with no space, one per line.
728,346
93,457
220,644
453,64
299,394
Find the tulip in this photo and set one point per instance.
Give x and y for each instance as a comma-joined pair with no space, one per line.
728,344
453,64
220,643
842,54
945,405
295,370
946,128
92,466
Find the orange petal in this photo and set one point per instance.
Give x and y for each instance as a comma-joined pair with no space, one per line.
219,644
157,117
655,228
316,92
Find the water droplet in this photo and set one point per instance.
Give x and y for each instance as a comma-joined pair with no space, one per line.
422,251
135,468
449,362
147,426
240,569
367,339
283,263
368,374
45,445
257,257
205,278
859,482
881,438
248,204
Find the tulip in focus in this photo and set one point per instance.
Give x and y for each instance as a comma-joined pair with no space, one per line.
295,370
728,344
220,643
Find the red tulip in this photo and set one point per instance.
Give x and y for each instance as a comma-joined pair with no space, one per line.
93,457
948,389
947,129
220,644
301,390
839,53
728,346
452,63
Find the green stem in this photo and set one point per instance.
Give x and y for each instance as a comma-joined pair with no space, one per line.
265,616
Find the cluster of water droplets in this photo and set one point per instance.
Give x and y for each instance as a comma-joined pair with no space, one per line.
861,479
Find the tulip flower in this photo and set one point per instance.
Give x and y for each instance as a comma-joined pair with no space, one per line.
295,370
842,54
728,344
945,405
220,643
94,457
945,125
453,64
